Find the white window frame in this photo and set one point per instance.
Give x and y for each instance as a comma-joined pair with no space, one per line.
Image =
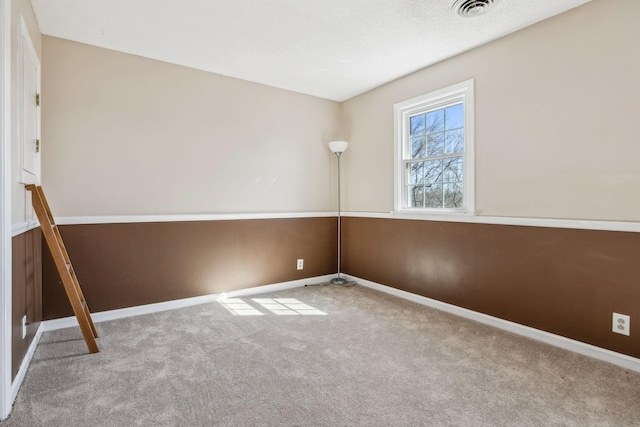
461,92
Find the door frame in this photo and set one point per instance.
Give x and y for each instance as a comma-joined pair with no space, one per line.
5,209
26,48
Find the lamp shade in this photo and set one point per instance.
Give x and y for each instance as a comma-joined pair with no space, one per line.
338,146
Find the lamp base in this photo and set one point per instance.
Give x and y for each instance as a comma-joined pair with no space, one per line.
339,281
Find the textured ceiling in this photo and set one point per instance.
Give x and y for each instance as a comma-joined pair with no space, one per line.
333,49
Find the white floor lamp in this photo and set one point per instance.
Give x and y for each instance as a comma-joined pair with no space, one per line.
338,147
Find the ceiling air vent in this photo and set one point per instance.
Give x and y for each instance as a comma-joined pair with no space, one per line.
471,8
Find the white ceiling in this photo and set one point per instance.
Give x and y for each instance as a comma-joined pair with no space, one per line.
333,49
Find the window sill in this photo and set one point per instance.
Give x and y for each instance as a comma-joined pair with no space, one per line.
445,215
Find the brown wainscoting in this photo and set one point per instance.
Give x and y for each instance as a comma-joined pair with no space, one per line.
125,265
564,281
26,293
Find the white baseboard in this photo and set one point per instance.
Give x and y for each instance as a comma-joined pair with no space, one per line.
599,353
103,316
17,381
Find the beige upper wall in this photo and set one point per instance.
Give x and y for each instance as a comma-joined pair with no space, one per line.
125,135
556,106
20,204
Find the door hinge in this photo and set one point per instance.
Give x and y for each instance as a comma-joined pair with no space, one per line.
37,145
37,99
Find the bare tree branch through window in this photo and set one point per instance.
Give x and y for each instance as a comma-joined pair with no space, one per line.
435,170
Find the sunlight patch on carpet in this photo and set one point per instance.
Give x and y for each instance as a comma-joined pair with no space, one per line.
288,307
239,307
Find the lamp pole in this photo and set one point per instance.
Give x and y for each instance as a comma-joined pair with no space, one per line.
338,148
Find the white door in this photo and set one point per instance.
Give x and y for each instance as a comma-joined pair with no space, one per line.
29,110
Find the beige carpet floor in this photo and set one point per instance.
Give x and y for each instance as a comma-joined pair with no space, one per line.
317,356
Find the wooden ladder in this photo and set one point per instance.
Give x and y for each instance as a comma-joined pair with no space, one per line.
63,264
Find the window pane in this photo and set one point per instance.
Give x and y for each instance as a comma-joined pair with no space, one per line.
433,196
418,147
453,195
435,121
452,169
416,126
415,196
415,173
435,144
432,171
454,116
455,141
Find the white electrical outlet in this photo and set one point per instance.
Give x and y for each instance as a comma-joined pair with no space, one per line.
24,326
621,323
300,264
